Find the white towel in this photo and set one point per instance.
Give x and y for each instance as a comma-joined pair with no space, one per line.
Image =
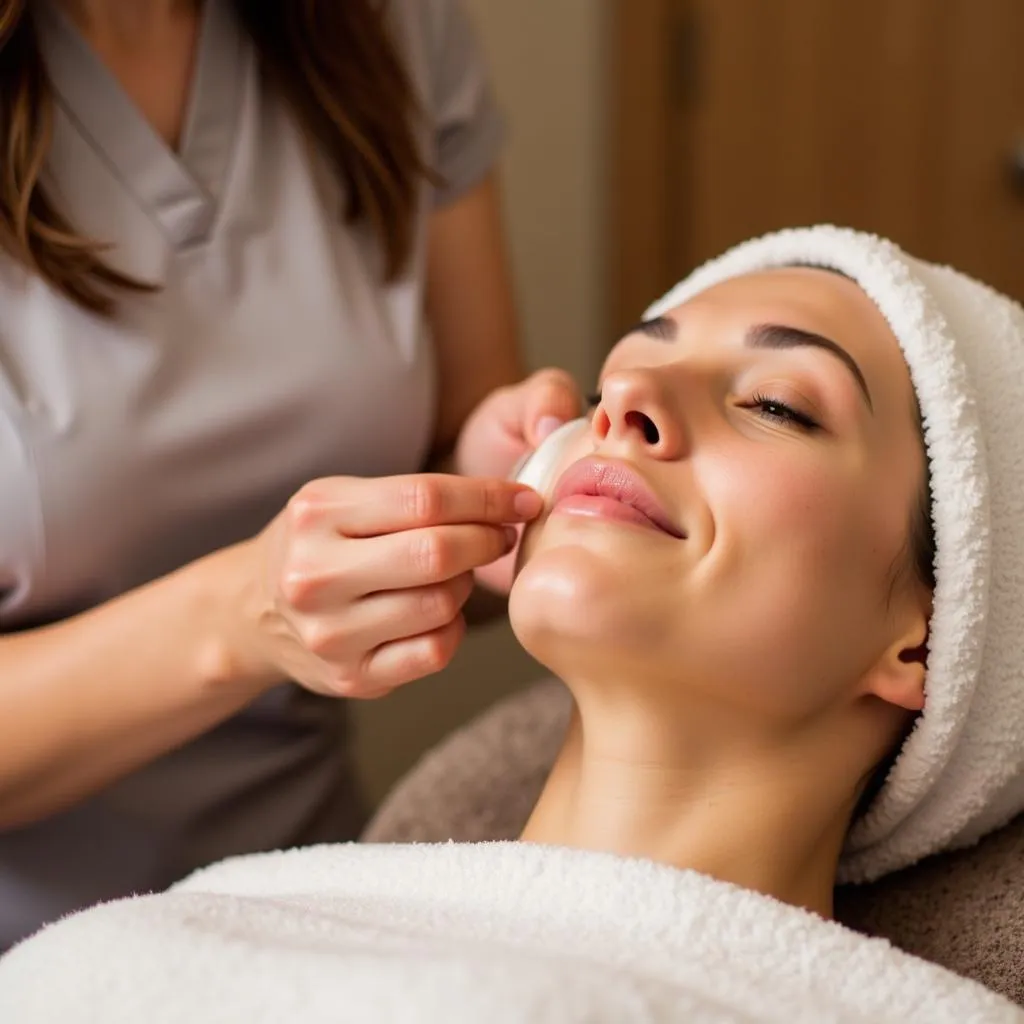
488,933
961,772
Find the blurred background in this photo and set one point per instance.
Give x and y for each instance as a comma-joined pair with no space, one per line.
645,136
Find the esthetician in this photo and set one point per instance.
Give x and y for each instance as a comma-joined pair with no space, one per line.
253,285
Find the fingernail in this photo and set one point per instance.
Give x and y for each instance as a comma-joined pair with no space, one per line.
511,537
528,504
547,425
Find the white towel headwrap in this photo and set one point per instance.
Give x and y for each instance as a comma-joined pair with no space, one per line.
960,773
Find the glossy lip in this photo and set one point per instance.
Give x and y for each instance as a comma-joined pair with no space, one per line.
618,481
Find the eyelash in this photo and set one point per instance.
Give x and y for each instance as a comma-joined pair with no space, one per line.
771,409
778,412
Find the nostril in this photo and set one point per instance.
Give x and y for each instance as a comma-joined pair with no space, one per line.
644,423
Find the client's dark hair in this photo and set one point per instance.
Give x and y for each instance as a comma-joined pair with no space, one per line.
921,537
919,560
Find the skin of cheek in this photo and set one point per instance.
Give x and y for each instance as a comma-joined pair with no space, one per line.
787,600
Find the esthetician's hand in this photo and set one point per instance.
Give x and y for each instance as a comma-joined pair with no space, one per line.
505,426
358,585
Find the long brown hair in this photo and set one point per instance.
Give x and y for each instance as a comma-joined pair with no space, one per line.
335,63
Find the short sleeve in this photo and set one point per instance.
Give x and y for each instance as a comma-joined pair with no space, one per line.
468,125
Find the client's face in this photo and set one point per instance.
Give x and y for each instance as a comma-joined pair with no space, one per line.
735,520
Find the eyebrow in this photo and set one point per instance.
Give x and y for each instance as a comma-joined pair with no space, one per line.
769,336
661,328
783,336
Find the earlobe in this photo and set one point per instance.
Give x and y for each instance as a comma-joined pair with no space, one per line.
899,676
903,687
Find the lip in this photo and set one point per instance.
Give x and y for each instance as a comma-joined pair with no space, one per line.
596,486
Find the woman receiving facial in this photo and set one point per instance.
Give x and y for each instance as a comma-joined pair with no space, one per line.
726,581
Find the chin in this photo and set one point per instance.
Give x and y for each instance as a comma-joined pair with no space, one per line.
555,605
596,593
572,610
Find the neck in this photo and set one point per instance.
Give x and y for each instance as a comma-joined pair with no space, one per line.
637,783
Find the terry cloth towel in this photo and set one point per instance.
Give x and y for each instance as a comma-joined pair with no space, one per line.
494,932
960,773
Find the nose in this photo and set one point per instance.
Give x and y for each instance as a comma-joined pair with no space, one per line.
635,410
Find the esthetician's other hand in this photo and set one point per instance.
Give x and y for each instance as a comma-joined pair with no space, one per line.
505,426
358,585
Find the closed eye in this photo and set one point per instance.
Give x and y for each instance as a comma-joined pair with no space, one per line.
779,412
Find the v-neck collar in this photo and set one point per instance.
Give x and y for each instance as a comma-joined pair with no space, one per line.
182,189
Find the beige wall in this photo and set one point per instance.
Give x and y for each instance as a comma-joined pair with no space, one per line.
547,60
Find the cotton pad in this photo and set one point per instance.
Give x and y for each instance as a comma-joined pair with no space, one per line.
538,469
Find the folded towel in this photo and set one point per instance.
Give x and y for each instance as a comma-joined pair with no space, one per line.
495,932
960,773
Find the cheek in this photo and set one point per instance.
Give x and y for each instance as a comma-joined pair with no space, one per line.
770,506
794,578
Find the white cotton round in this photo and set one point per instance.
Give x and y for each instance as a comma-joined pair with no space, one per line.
538,469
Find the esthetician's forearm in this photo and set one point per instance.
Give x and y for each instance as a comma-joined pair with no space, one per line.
87,701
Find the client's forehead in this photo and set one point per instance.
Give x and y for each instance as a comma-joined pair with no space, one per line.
808,298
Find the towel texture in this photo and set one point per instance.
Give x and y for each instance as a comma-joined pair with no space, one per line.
496,932
963,910
960,773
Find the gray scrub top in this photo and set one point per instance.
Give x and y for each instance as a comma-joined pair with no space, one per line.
271,356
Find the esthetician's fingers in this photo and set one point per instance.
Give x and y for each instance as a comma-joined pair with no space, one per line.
550,399
323,575
347,639
404,661
355,507
341,540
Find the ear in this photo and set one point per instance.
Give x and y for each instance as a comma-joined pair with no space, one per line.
898,676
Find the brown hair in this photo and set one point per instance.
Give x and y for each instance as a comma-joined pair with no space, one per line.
921,539
917,561
334,62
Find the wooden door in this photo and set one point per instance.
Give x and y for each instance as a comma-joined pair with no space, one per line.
735,117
